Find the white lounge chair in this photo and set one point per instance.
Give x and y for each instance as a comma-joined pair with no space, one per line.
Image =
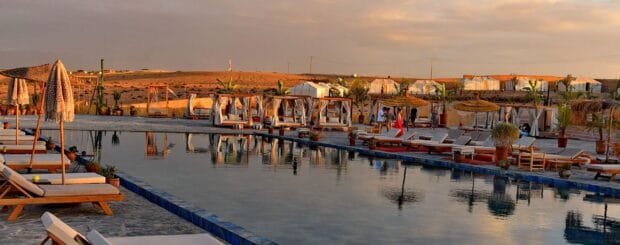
23,148
604,170
61,233
49,162
11,132
384,140
70,178
436,138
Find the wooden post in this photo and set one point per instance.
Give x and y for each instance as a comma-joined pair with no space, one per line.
62,147
38,128
17,124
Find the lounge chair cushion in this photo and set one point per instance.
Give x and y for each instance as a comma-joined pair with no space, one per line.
39,159
60,230
95,238
334,120
21,181
70,179
79,190
603,167
233,117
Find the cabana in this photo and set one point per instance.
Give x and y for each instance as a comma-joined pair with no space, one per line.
582,84
237,110
287,110
380,89
480,83
423,87
523,83
333,112
154,107
312,89
199,108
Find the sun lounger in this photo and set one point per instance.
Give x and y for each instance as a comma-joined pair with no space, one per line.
480,137
568,156
50,162
11,132
23,148
18,191
11,138
385,140
453,134
523,143
443,147
61,233
436,138
70,178
367,136
604,170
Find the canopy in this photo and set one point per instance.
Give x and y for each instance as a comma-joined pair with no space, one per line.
476,105
404,101
480,83
17,95
423,87
33,73
314,90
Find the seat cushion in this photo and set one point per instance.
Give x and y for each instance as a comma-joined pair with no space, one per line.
59,229
21,181
604,167
79,190
95,238
39,159
70,178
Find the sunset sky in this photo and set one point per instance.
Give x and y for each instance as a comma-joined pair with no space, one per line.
397,38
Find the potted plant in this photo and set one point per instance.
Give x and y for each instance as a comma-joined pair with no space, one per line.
564,119
93,167
565,172
72,153
118,111
352,138
504,164
109,172
598,124
6,125
372,144
504,134
49,144
443,95
315,135
133,111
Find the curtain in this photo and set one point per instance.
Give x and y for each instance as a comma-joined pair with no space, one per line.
276,105
217,110
322,107
554,118
233,106
259,106
303,111
507,113
347,107
309,104
534,116
190,104
245,109
515,116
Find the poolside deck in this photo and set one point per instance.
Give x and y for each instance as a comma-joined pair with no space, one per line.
135,216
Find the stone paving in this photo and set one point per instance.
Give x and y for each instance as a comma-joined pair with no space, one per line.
134,216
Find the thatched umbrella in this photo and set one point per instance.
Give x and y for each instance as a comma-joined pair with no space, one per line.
595,106
59,104
404,101
476,105
33,73
17,95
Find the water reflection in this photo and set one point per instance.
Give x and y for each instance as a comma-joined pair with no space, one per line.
152,149
606,230
401,195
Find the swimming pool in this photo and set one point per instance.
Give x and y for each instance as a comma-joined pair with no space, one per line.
296,195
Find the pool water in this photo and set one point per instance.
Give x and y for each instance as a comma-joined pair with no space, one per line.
293,194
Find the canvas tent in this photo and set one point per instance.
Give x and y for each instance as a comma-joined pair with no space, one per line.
312,89
522,83
480,83
340,91
383,87
583,84
423,87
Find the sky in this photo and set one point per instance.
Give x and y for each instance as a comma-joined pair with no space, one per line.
366,37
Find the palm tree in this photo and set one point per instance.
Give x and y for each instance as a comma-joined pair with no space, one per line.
532,93
227,87
569,94
280,89
444,96
359,93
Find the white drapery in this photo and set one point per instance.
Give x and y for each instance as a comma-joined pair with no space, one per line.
245,107
259,106
190,104
322,107
276,105
515,116
554,118
507,113
299,110
534,116
233,106
346,105
309,104
217,108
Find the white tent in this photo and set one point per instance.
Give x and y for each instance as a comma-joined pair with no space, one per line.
314,90
583,84
480,83
342,90
383,86
523,82
423,87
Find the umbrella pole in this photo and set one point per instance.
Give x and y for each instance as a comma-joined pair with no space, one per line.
17,124
611,120
37,129
62,148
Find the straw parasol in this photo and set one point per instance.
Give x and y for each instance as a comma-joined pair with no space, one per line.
59,104
34,73
404,100
476,105
17,95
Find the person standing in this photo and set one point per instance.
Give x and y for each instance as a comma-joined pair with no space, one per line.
434,117
389,118
380,118
413,115
399,123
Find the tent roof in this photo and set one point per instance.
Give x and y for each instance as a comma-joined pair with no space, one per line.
38,73
579,80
